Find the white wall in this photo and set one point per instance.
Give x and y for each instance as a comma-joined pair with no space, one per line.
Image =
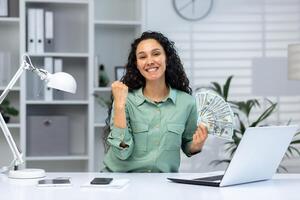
226,42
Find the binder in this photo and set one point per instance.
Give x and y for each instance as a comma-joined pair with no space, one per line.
31,30
4,8
2,69
48,64
58,67
49,31
7,67
40,30
96,72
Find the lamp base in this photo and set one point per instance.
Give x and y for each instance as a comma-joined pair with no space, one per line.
27,173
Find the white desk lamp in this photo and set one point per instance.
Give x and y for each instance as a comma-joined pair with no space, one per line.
61,81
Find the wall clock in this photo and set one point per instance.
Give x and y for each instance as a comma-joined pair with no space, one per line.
193,10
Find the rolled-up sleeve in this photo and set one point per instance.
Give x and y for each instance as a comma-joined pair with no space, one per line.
190,128
119,135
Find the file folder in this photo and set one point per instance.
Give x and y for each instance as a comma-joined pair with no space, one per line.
31,30
49,31
48,63
58,67
96,72
40,30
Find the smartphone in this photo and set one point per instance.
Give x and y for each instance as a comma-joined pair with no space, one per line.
54,182
101,181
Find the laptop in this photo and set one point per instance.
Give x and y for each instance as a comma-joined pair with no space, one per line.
256,158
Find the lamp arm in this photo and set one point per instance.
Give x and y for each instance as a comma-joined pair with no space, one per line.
18,159
24,66
12,82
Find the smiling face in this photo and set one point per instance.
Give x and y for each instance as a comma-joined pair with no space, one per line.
151,60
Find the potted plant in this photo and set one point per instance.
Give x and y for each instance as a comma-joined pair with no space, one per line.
243,112
102,101
7,111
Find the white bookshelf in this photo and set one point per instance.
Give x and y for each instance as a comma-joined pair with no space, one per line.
9,20
13,125
115,23
102,89
71,46
59,1
13,89
61,54
10,44
83,29
56,102
57,158
99,125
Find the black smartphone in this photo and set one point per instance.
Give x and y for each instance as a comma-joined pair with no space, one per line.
101,181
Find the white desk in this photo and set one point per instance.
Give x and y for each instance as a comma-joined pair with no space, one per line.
149,186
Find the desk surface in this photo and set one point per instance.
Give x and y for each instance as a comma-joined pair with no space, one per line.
145,186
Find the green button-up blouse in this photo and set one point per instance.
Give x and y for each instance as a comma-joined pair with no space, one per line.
155,133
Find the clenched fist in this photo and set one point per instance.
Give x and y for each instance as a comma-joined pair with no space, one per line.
119,92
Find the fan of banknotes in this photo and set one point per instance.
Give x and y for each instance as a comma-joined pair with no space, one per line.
215,113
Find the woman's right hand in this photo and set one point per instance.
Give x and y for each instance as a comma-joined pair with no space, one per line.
119,92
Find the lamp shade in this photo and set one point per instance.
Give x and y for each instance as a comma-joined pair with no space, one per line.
62,81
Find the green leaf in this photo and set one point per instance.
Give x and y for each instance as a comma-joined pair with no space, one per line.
12,111
7,110
218,162
226,88
217,88
246,106
230,148
295,142
293,149
282,167
5,103
264,115
289,122
101,101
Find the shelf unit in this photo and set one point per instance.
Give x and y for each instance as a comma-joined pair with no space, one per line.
83,30
115,24
71,46
10,47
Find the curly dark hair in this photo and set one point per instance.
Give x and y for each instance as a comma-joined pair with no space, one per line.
175,75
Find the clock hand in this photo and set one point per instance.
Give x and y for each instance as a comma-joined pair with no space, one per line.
185,5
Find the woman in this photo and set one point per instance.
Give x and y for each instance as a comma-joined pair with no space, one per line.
154,114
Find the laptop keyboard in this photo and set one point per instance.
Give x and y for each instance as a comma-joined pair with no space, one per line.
210,178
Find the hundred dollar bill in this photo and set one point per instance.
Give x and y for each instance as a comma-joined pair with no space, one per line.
215,113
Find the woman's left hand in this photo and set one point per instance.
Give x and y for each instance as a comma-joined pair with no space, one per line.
199,138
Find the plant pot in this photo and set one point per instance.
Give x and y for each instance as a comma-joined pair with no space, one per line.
6,118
